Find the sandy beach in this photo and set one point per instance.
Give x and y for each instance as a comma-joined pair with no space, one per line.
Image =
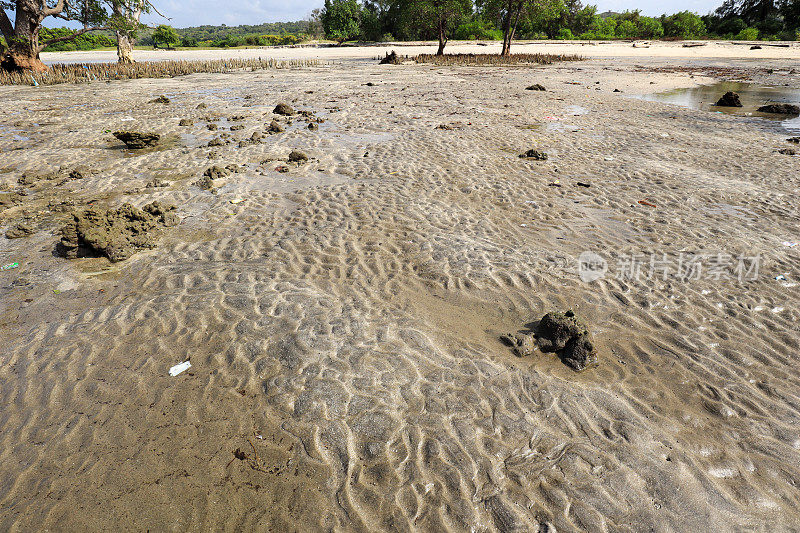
343,315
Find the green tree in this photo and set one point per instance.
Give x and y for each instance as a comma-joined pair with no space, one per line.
22,36
341,19
684,25
165,35
439,16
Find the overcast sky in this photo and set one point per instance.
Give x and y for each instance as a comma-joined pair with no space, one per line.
186,13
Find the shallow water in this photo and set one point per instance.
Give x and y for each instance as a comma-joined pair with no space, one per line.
752,97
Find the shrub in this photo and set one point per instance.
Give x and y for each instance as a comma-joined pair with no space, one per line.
683,25
587,36
477,31
747,34
565,34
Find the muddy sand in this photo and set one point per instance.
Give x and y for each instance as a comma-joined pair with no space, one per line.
343,313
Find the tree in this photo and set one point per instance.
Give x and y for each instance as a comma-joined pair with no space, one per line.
685,25
508,13
126,21
341,19
439,16
165,35
22,36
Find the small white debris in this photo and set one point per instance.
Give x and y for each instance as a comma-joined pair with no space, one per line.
179,369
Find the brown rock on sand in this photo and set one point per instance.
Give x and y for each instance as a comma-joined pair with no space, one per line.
780,109
729,99
136,140
19,231
283,109
565,334
115,233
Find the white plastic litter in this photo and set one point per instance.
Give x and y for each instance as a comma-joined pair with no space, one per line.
180,369
789,244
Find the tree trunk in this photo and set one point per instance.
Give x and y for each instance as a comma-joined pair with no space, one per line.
442,40
124,47
23,48
506,51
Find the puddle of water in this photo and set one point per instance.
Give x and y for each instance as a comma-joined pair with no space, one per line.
752,97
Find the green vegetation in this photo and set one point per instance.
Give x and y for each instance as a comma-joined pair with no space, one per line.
407,20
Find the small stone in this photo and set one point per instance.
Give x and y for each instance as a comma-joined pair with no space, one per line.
787,151
201,106
536,87
313,126
536,155
283,109
296,156
212,127
160,100
186,122
275,127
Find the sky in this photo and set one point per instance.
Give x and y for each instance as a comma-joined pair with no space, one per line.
185,13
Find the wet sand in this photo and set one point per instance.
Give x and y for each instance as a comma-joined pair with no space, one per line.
343,319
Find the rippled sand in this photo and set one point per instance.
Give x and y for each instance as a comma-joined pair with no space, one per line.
343,319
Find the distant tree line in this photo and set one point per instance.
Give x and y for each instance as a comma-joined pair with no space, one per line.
409,20
444,20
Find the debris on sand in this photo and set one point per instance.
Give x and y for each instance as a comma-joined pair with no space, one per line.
729,99
522,344
212,127
795,140
160,100
115,233
284,110
19,231
565,334
780,109
275,127
536,87
787,151
536,155
296,156
755,47
186,122
391,59
135,140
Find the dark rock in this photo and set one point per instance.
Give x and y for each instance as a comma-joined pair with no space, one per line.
237,127
755,47
186,122
216,142
313,126
19,231
565,334
160,100
391,59
201,106
780,109
216,172
795,140
536,87
787,151
296,156
535,155
275,127
135,140
115,233
616,91
284,110
212,127
729,99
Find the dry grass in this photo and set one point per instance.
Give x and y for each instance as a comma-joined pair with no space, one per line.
494,59
82,73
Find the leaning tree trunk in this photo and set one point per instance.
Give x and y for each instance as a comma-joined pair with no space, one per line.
442,40
124,47
23,48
